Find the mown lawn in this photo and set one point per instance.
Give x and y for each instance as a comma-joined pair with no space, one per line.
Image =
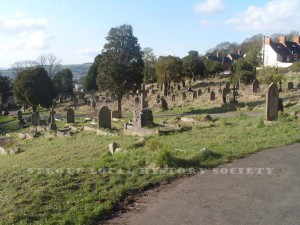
76,181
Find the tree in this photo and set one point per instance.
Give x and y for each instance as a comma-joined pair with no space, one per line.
63,81
49,62
149,65
121,67
90,83
33,87
270,75
192,65
243,70
18,66
211,66
5,86
168,69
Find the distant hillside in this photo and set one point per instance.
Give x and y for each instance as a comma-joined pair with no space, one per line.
78,70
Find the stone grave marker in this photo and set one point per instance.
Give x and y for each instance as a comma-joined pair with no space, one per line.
194,94
224,95
104,117
34,119
199,92
70,115
93,104
227,86
20,115
136,101
272,102
208,90
164,104
255,86
212,96
183,96
290,85
173,98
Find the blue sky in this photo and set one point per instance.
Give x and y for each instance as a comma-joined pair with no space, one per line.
75,30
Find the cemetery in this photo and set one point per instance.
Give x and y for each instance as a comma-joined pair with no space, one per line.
154,132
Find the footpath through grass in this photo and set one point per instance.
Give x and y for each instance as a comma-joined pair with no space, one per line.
75,180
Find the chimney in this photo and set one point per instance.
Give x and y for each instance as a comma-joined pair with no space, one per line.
239,51
282,40
219,54
268,41
297,39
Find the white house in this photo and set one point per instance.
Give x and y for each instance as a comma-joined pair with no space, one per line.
281,54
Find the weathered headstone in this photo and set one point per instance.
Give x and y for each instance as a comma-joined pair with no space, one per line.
280,104
234,89
183,96
178,87
136,101
290,85
208,90
34,119
199,92
280,86
164,104
255,86
143,92
220,88
224,95
93,104
104,117
20,115
70,115
212,96
227,86
194,94
52,125
272,102
173,98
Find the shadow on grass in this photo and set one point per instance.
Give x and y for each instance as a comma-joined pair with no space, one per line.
254,103
230,108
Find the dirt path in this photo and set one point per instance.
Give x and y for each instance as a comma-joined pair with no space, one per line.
271,195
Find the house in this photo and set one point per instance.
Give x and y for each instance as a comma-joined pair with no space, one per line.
281,54
226,61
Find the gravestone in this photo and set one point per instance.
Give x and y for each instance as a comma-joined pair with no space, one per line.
158,99
208,90
172,89
34,119
164,104
227,86
52,125
199,92
178,87
234,89
143,92
189,88
88,102
136,101
290,85
104,117
280,104
212,96
194,94
220,88
224,95
280,86
183,96
70,115
173,98
20,115
97,98
142,118
272,102
93,104
255,86
61,99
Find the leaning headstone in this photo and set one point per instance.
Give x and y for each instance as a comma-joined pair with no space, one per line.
290,85
212,96
104,117
70,115
255,86
164,104
34,119
272,102
113,147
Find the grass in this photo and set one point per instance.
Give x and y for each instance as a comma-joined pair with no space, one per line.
5,119
75,180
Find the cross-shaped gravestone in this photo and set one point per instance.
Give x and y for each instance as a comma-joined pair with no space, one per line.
234,89
143,92
52,125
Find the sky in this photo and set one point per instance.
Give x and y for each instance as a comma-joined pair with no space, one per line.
75,30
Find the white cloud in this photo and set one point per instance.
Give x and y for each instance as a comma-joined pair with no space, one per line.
208,23
24,32
36,40
209,6
275,16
